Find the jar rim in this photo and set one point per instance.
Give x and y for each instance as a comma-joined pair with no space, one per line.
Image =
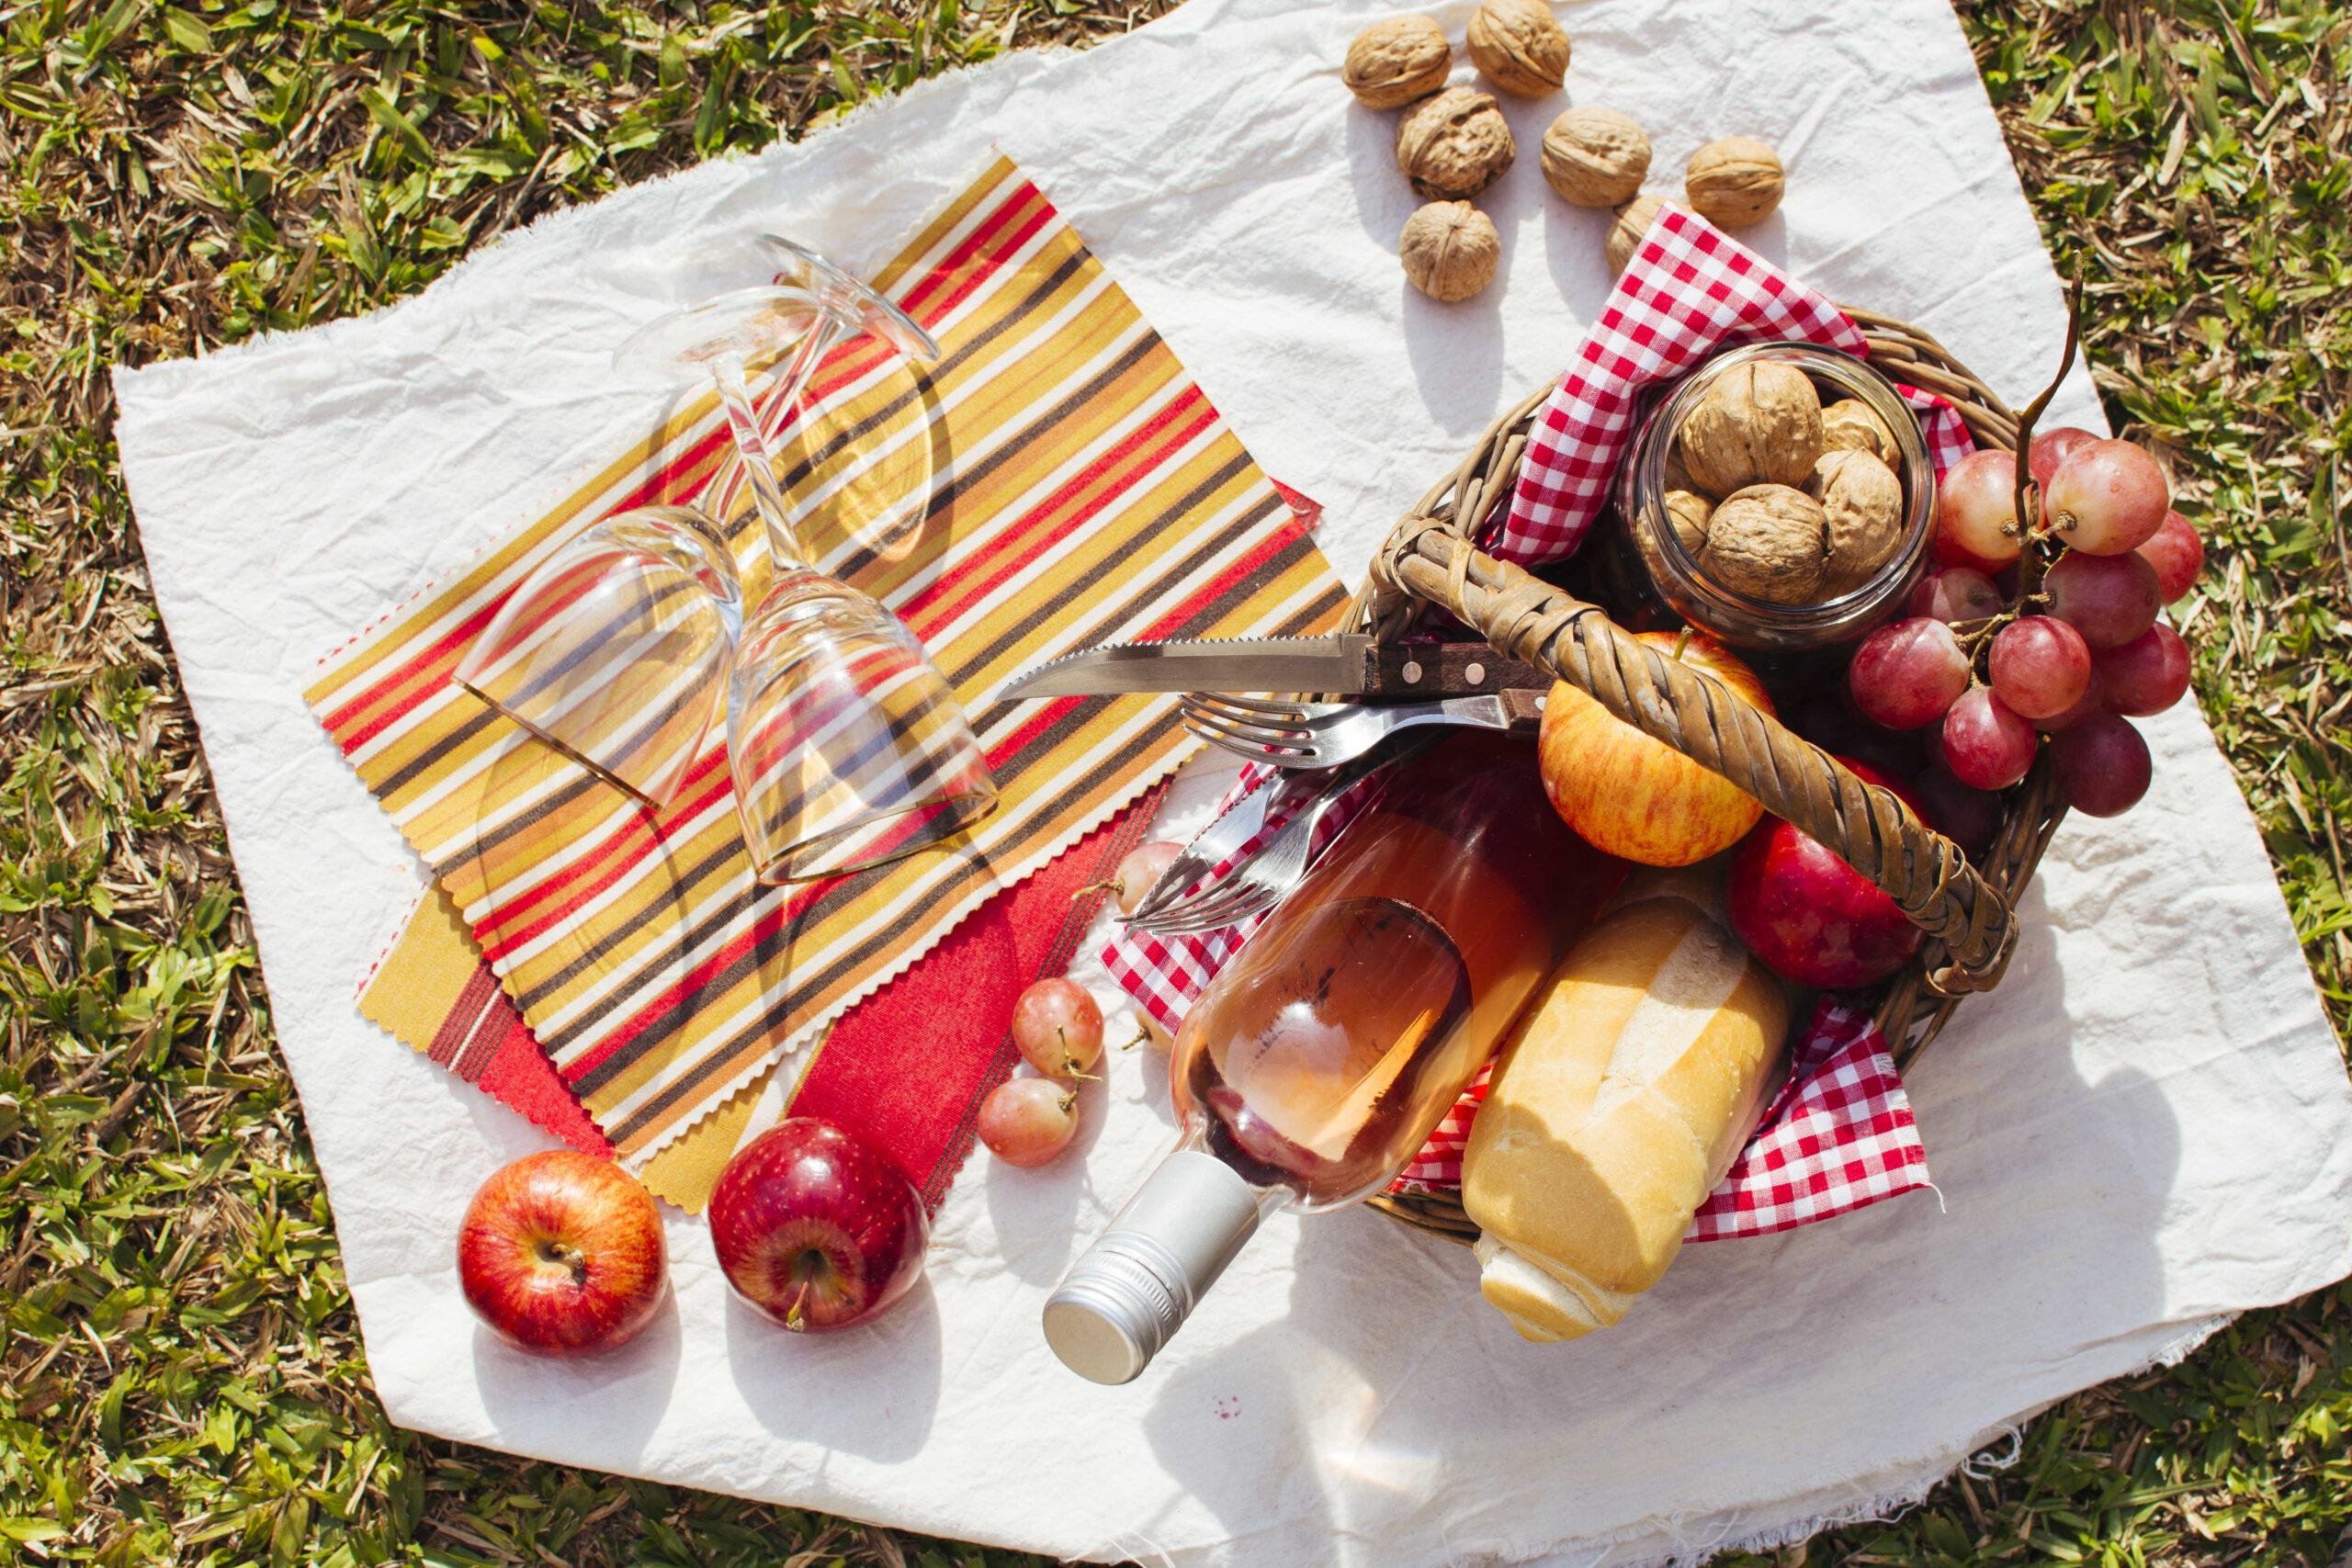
1643,490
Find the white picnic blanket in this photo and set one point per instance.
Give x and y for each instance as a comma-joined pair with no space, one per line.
2147,1128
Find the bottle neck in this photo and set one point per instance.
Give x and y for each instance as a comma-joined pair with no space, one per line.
1130,1292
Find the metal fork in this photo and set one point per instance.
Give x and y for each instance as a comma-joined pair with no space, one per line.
1321,735
1260,882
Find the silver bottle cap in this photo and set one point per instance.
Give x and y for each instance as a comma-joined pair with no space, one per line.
1127,1294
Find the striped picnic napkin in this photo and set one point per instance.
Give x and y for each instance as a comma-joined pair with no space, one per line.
907,1067
1084,490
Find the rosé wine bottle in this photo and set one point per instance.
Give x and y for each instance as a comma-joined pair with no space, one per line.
1321,1058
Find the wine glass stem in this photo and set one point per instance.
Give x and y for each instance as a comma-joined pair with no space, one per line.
751,445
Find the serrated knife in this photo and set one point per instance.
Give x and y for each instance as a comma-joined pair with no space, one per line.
1344,663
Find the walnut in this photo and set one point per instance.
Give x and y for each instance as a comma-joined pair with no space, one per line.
1596,157
1449,250
1394,62
1634,220
1687,514
1850,425
1861,504
1768,542
1733,182
1757,423
1677,477
1519,46
1453,145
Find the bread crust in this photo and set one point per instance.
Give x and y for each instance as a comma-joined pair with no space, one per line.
1617,1104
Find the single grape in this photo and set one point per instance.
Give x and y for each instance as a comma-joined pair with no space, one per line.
2109,599
1986,746
2093,700
2039,665
2049,450
1969,817
2147,674
1905,674
1059,1028
2177,553
1957,593
1139,871
2106,497
2102,765
1026,1122
1976,506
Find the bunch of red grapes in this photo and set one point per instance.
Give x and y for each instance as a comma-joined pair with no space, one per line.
2050,630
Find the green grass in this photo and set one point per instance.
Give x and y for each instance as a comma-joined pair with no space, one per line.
180,1374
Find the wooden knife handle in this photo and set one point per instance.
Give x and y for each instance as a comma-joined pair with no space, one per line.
1448,669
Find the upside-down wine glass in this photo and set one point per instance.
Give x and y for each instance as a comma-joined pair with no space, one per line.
847,745
617,649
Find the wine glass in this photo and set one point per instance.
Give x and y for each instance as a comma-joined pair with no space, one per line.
847,745
616,649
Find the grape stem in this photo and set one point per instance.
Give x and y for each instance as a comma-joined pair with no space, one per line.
2034,540
2028,496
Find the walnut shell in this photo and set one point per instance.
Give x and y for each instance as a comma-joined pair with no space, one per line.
1677,477
1757,423
1596,157
1768,542
1394,62
1453,145
1449,250
1862,504
1687,514
1519,47
1634,220
1733,182
1849,425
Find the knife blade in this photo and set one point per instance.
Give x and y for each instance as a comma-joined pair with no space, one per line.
1344,663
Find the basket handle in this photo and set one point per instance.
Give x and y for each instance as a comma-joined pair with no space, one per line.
1869,829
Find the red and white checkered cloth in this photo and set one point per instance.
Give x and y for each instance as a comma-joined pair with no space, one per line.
1689,290
1840,1136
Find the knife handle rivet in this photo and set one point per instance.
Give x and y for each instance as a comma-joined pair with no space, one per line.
1475,673
1412,672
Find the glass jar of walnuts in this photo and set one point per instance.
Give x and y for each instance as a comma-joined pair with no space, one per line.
1780,497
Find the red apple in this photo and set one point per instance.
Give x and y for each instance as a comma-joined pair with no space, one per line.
1809,916
815,1228
1631,796
561,1255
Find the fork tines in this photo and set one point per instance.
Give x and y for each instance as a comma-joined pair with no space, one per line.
1277,728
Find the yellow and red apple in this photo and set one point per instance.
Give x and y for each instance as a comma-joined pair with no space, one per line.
1636,796
561,1255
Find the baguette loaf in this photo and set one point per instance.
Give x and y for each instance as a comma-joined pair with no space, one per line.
1617,1104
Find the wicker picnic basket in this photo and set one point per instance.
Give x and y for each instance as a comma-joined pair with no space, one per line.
1966,910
